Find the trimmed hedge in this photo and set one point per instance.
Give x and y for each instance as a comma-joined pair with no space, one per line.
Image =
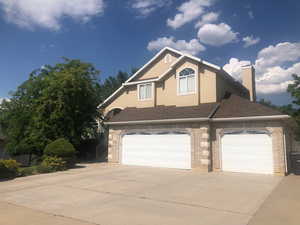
27,171
63,149
51,164
8,168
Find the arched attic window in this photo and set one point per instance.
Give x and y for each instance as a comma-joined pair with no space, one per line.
186,81
111,113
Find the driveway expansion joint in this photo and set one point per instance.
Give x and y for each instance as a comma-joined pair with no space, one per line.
159,200
53,214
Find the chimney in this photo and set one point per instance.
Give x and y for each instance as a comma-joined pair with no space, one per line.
248,76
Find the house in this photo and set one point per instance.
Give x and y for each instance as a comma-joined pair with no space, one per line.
179,111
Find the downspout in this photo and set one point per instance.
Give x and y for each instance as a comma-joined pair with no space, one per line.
214,111
211,166
285,152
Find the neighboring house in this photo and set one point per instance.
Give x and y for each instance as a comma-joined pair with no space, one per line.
179,111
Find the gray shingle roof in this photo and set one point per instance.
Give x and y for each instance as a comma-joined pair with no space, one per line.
164,112
234,106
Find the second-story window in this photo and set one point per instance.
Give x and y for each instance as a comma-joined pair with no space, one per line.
186,81
145,91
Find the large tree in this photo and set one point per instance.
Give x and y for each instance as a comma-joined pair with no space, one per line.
294,90
287,109
112,83
55,102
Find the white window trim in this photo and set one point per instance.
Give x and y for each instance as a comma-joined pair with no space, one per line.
196,82
152,91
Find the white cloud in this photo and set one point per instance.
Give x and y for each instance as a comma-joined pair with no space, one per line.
234,68
272,74
217,34
278,55
250,40
146,7
251,15
49,13
192,47
2,99
207,18
276,79
188,12
272,87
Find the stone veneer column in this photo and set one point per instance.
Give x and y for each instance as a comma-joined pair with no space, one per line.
278,150
113,146
205,156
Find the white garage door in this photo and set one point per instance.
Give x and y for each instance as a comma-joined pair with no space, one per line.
247,152
171,150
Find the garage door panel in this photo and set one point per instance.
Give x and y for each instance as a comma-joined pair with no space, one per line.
247,153
165,150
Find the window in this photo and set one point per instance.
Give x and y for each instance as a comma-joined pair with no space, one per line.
186,81
145,91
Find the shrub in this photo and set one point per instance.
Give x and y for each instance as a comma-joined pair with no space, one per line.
63,149
27,171
51,164
8,168
43,169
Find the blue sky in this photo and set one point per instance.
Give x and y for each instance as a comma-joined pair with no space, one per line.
118,35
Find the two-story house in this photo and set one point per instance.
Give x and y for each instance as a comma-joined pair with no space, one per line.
179,111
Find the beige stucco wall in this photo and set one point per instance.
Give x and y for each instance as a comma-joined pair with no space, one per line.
199,141
128,98
166,91
210,87
158,66
274,127
248,74
223,85
207,85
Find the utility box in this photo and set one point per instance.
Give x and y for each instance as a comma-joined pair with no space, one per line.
295,162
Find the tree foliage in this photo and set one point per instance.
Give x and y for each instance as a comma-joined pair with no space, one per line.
291,109
294,89
112,83
286,109
55,102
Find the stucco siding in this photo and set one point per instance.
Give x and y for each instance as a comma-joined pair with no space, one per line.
211,83
129,98
167,90
207,85
158,67
223,85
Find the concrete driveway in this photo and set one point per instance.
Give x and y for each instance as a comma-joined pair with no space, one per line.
119,195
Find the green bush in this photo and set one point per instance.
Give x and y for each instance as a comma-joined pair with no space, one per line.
27,171
8,168
51,164
63,149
